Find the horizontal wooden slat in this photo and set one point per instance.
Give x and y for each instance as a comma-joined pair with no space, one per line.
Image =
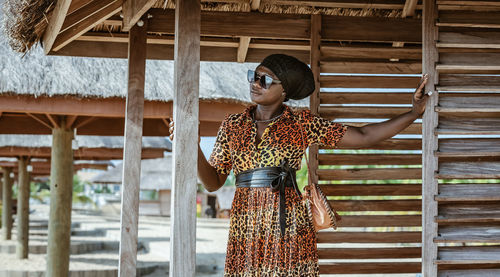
470,273
361,112
484,170
367,267
331,52
369,174
414,128
380,221
371,67
469,39
377,205
470,81
460,68
392,144
468,192
369,237
468,234
372,189
330,81
470,59
351,4
468,255
468,126
370,253
469,19
364,98
469,147
486,106
378,29
468,88
369,159
469,218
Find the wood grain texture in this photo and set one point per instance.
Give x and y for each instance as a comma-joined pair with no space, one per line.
361,112
314,103
463,38
132,151
377,205
470,273
368,82
369,237
6,204
468,234
55,23
365,190
185,153
333,51
369,174
464,170
469,19
61,188
369,159
243,49
469,255
364,97
468,126
369,267
133,10
468,192
429,139
371,67
23,209
370,253
380,221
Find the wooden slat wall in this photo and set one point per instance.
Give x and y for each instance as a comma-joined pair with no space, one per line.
381,221
468,215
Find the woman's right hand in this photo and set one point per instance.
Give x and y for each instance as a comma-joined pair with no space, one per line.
171,131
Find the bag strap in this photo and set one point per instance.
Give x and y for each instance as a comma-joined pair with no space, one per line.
305,148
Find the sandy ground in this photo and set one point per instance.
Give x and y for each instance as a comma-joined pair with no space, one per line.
154,237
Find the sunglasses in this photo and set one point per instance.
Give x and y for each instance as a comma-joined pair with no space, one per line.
265,81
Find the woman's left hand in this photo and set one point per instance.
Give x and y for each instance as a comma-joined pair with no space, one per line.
419,97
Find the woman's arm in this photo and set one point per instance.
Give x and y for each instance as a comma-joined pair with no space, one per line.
211,180
373,133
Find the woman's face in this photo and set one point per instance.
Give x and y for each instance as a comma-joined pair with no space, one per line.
272,95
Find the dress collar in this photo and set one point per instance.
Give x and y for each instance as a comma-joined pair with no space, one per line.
249,110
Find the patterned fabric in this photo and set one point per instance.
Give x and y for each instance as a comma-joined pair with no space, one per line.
256,246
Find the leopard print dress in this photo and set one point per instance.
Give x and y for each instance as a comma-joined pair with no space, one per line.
256,246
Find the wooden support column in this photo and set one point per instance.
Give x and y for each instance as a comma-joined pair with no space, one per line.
7,204
23,198
61,190
315,54
185,151
429,140
132,149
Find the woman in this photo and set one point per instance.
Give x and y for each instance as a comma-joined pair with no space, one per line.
270,232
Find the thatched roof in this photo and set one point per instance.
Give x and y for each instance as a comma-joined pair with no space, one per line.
38,141
36,74
27,19
156,174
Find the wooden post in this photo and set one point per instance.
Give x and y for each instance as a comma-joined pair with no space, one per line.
7,204
61,190
185,152
315,54
23,198
132,149
429,141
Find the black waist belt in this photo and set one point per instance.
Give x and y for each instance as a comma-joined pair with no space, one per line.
275,177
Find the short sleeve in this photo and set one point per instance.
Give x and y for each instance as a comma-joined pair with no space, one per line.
220,158
321,131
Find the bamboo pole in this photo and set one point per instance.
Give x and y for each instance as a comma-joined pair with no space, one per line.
7,204
23,208
132,149
185,153
61,190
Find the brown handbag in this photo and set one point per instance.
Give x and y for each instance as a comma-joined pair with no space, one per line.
320,211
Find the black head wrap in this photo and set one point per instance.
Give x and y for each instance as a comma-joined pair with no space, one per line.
296,77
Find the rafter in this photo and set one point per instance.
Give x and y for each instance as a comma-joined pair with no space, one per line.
55,23
70,120
85,122
243,49
40,120
52,120
84,19
133,10
254,5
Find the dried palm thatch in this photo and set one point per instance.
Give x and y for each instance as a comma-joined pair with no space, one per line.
26,20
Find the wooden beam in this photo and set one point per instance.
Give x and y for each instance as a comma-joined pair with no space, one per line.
6,204
243,49
52,120
133,10
61,189
70,120
85,19
409,8
429,140
80,154
55,23
255,4
107,107
23,209
185,152
132,150
42,121
347,4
